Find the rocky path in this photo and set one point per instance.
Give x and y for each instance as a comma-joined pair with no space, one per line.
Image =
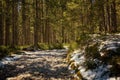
39,65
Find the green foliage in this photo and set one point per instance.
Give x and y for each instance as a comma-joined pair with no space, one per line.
8,50
83,39
57,46
72,5
13,49
115,62
4,51
90,64
43,46
73,46
92,51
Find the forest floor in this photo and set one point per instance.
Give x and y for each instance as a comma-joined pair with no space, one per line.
39,65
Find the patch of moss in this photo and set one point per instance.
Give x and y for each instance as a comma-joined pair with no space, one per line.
56,46
73,46
43,46
4,51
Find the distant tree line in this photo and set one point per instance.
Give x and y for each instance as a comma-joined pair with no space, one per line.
29,22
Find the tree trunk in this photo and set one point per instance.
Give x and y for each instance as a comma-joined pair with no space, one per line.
1,23
3,16
113,16
8,24
14,23
36,24
108,16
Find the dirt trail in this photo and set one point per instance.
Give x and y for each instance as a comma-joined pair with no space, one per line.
40,65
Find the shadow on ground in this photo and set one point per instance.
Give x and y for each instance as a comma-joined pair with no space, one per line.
40,65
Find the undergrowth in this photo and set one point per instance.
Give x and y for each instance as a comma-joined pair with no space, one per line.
8,50
45,46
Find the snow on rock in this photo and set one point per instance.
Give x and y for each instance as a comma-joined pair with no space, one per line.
95,74
109,46
102,69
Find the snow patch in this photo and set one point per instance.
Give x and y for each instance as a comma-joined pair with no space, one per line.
101,72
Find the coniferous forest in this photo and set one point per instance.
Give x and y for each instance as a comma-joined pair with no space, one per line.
28,22
40,25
